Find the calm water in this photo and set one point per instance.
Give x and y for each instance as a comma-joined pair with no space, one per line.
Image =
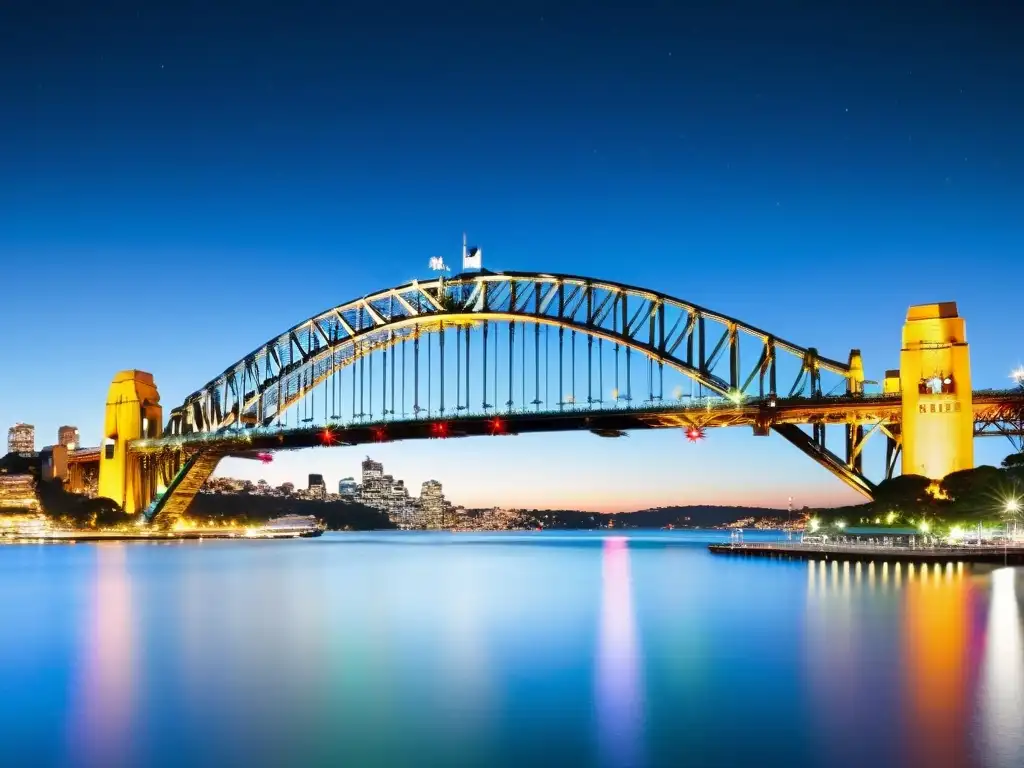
499,650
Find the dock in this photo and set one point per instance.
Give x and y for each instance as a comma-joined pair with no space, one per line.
865,553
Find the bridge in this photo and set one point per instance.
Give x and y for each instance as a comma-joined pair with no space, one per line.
504,353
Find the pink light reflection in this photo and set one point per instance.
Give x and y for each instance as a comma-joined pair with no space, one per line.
101,714
619,698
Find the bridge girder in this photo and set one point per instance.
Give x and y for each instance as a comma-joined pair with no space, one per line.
275,376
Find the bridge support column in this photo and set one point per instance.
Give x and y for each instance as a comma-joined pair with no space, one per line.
132,412
935,384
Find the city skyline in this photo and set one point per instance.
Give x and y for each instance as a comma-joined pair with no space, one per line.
817,210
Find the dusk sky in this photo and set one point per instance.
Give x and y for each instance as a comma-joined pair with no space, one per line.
179,182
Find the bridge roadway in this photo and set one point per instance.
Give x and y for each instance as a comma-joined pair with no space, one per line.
991,407
996,413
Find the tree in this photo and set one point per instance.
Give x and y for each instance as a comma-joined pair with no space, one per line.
104,512
970,484
904,491
1014,461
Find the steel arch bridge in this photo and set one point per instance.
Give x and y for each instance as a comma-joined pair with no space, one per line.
700,344
460,354
501,353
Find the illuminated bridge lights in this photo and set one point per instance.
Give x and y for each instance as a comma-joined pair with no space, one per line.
439,429
695,434
327,437
380,435
497,427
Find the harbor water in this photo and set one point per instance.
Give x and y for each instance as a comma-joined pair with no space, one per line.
505,649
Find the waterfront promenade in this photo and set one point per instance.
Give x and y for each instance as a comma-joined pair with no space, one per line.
867,553
71,536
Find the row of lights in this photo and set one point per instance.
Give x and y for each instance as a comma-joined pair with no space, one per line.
439,429
1011,506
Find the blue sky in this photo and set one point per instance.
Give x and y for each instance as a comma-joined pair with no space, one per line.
181,185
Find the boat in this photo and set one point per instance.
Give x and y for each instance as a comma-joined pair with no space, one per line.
289,527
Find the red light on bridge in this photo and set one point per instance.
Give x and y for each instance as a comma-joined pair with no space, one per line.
497,427
693,434
380,434
266,458
327,437
440,429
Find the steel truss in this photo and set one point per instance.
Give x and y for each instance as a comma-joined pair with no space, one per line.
701,344
666,332
601,318
999,413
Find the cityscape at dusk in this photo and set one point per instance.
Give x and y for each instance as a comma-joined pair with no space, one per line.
815,201
495,385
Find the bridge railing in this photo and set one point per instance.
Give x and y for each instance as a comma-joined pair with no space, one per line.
684,405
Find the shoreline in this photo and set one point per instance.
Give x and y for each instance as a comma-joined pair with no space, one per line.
71,537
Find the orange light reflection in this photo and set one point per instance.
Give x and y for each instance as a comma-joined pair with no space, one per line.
936,657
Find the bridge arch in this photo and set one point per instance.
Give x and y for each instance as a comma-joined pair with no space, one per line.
701,345
737,374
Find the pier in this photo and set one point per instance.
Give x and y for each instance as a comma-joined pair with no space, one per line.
868,553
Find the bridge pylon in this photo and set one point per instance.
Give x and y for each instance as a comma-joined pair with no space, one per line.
132,412
935,382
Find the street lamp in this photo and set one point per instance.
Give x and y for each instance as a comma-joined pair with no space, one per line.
1011,508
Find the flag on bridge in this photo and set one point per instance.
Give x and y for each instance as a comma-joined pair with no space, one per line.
472,256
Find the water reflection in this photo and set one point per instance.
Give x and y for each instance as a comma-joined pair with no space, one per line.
509,652
464,662
831,654
619,700
936,657
101,711
924,671
1002,678
845,578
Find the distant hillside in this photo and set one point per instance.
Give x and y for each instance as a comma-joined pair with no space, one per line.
700,516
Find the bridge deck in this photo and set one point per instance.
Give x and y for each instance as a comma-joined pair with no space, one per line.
759,414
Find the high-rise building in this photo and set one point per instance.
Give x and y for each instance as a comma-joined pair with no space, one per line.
373,492
432,505
348,488
398,502
68,437
21,438
317,487
372,470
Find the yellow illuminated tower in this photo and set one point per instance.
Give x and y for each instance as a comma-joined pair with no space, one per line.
935,381
133,411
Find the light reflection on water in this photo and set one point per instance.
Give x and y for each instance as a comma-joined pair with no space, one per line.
619,704
101,697
1002,676
501,650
